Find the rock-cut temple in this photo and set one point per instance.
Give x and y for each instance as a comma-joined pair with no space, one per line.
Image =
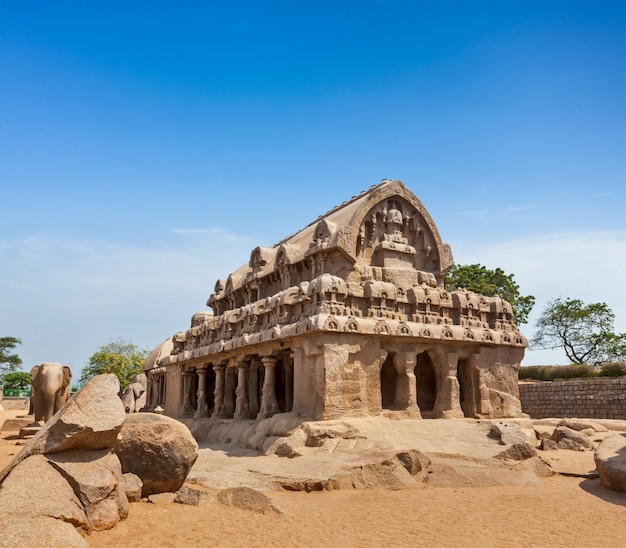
346,318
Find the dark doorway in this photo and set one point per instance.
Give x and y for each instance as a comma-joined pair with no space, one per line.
425,385
388,383
468,388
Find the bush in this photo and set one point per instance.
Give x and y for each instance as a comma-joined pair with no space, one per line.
613,369
551,372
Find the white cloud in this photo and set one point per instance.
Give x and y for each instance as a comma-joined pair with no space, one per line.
65,298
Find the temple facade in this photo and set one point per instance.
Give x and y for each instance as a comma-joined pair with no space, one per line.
346,318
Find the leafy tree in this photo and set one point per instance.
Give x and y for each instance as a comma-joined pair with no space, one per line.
120,357
491,283
9,362
18,380
584,331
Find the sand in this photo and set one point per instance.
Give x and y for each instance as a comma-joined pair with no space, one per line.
559,511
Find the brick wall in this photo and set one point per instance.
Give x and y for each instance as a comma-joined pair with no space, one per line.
601,398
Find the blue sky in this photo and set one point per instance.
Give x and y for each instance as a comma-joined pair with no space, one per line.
147,147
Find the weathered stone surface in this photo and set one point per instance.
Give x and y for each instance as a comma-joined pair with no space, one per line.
36,488
38,531
345,303
13,425
416,463
95,477
508,433
132,484
569,445
518,451
247,499
610,457
563,432
158,449
318,432
289,446
162,499
583,424
548,445
193,496
91,420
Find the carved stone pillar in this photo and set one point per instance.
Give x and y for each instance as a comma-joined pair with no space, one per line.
242,407
203,406
269,404
288,384
253,387
447,403
406,393
229,389
219,408
188,409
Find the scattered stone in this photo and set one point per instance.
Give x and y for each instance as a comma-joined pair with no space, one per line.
582,425
247,499
39,531
540,467
193,496
549,445
158,449
162,498
28,431
289,446
318,432
14,424
610,458
563,432
518,451
416,463
132,485
569,445
507,433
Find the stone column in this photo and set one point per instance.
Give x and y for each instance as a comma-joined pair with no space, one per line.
253,387
288,384
188,409
229,385
203,407
269,405
242,407
219,408
447,403
406,392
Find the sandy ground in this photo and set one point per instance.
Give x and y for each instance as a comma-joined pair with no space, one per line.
559,511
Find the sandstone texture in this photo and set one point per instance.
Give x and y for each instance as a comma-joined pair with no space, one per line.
347,318
610,458
68,472
158,449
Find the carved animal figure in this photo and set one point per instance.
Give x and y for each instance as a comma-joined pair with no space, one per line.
50,389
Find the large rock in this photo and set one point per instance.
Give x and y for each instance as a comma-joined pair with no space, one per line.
36,488
95,477
564,433
610,457
158,449
247,499
39,531
90,420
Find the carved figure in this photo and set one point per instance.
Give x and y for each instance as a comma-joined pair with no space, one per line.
50,389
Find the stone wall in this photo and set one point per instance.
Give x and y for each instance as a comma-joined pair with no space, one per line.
14,403
601,398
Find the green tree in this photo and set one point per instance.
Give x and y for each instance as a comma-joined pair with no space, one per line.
9,362
491,283
583,331
18,380
120,357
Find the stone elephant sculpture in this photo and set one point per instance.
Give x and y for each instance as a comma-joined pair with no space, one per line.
50,389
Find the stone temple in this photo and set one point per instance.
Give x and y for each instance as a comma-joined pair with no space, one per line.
346,318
